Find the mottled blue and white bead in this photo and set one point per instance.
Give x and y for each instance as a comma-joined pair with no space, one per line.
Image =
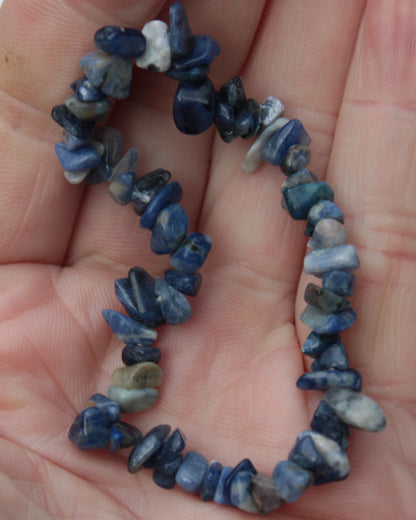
343,257
356,409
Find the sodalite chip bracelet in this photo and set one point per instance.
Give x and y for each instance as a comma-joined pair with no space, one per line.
93,155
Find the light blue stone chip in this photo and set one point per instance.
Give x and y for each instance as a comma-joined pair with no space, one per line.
291,480
109,72
191,472
343,257
240,492
323,323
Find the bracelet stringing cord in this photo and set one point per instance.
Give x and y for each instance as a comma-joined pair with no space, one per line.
94,155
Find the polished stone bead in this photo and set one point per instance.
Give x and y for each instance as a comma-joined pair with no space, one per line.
210,481
108,407
297,157
334,356
112,141
145,448
278,144
324,209
265,493
194,107
171,448
253,159
110,73
191,255
82,128
316,344
291,480
339,282
326,300
85,90
341,258
240,495
303,176
185,283
328,233
169,229
336,466
192,472
90,430
299,199
121,188
175,307
140,375
72,142
137,294
326,422
79,159
128,330
133,354
133,400
146,188
76,177
204,51
219,497
323,323
244,465
271,109
193,75
181,38
324,379
124,435
157,55
168,194
123,41
356,409
88,109
165,475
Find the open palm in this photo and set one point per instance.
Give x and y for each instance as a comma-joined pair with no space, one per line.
347,70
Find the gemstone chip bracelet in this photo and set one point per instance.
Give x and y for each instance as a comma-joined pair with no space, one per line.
94,155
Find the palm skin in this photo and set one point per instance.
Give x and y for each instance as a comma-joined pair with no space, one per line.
347,70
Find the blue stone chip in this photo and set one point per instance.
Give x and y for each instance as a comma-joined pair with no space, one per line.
191,472
175,307
81,128
209,484
166,195
205,50
90,430
128,330
300,199
325,379
291,480
326,422
123,435
165,475
146,188
191,255
186,283
133,354
145,448
108,407
123,41
194,107
277,146
181,39
169,229
79,159
323,323
339,282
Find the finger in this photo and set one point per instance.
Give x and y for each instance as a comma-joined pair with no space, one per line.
146,121
375,182
38,211
296,59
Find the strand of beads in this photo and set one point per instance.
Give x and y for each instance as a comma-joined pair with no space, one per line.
94,155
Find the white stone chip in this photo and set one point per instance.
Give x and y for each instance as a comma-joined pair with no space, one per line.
356,409
253,158
328,232
271,109
157,55
76,177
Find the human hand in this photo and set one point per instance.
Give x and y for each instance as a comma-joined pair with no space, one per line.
346,70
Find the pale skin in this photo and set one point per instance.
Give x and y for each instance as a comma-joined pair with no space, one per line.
348,71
